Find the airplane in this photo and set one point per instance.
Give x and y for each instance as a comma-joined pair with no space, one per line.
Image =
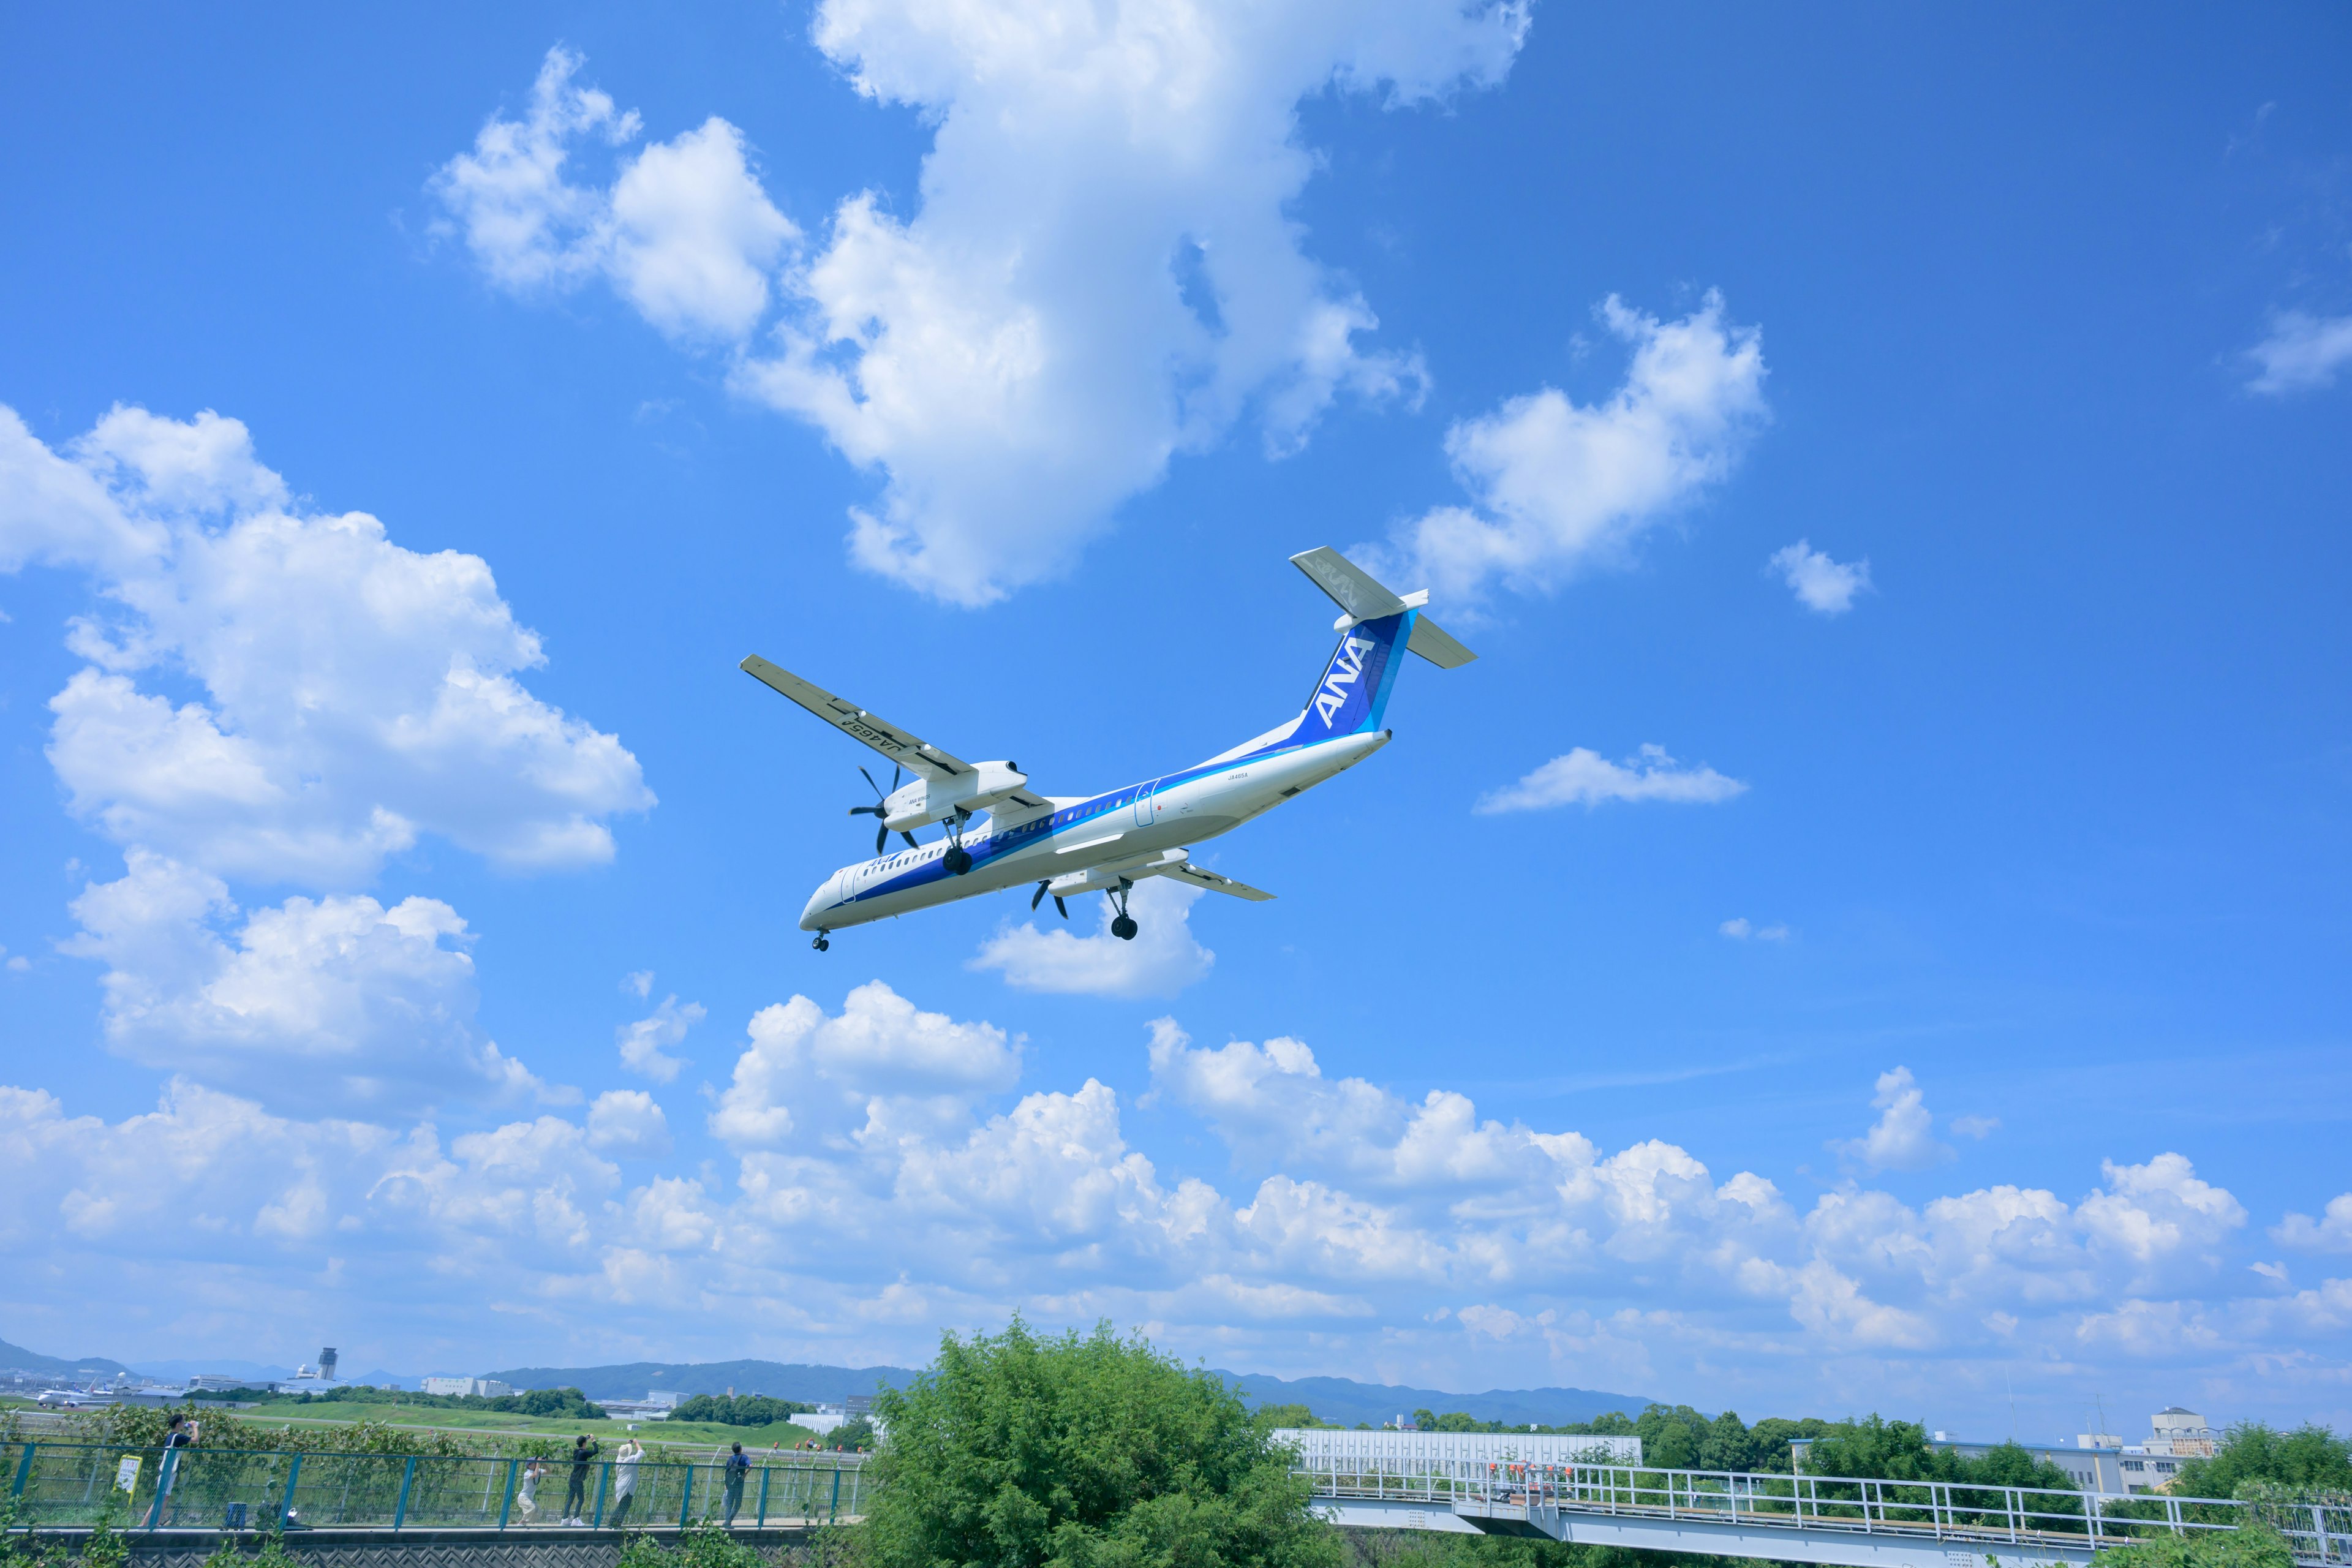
998,833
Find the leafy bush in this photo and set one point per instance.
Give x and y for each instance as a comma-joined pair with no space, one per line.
2252,1545
1015,1451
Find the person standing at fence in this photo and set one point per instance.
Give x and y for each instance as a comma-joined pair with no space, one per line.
624,1480
528,1497
739,1466
179,1433
575,1496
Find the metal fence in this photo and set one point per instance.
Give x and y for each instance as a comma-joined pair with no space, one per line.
2320,1531
52,1484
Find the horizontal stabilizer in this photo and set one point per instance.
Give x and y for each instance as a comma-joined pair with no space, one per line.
1366,598
1433,643
1351,588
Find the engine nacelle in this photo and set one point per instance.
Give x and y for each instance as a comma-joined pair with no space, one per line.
921,802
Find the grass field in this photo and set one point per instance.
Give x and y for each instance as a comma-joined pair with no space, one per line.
701,1436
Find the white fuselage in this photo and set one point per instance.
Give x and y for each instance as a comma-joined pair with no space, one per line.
1016,847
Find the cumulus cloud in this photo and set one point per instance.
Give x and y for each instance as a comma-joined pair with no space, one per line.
684,233
626,1121
1824,587
2302,352
2331,1232
1099,271
1584,777
891,1173
356,695
1163,958
1559,486
878,1066
1903,1136
643,1042
1739,928
335,1003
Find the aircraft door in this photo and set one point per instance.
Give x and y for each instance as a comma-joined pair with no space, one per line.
1143,807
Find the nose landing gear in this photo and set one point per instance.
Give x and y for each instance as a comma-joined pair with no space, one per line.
820,944
1122,925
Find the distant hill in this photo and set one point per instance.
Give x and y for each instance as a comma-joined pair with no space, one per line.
23,1360
1339,1399
1347,1402
776,1379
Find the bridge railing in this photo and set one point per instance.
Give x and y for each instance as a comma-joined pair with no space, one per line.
1940,1509
53,1484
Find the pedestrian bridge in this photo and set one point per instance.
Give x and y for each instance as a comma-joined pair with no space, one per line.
1863,1522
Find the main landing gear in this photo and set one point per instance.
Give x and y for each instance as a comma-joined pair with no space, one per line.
958,859
1122,925
820,944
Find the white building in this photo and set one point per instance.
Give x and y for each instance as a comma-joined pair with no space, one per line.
654,1406
488,1387
1401,1453
2182,1434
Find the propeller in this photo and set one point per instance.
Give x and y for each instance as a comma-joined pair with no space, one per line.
1039,897
880,808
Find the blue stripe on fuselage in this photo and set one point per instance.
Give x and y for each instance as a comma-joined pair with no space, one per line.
995,846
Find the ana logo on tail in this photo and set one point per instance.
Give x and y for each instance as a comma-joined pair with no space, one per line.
1332,697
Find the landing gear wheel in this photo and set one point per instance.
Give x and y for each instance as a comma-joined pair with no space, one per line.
820,944
1124,928
957,861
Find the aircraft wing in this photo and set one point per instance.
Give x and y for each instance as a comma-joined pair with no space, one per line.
903,747
1201,877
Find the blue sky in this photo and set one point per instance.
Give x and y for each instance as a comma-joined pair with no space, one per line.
1926,430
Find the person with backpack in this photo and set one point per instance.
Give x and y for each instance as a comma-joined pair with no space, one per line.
738,1467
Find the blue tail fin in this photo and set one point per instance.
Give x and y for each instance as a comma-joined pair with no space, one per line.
1353,693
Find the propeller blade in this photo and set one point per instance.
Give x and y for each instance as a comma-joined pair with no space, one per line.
1061,906
894,778
881,836
866,810
910,840
871,784
1039,896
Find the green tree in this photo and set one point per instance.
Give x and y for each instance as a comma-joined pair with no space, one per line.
2311,1457
1426,1419
737,1410
1017,1451
2252,1545
1271,1416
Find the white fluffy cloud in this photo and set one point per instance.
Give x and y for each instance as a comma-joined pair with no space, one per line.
356,695
1903,1136
878,1066
626,1121
684,233
1824,587
1558,486
1739,928
2331,1232
643,1043
336,1003
884,1185
1100,270
1163,958
2302,352
1584,777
